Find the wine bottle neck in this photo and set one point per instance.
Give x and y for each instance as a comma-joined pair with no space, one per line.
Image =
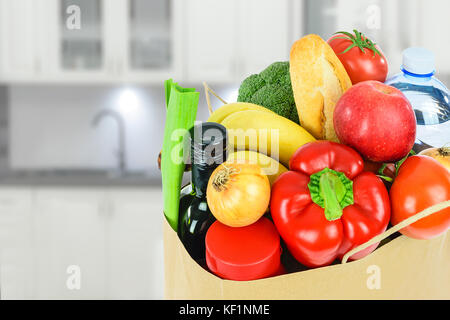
208,150
200,177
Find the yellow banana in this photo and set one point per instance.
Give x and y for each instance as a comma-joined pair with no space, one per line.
227,109
271,167
266,133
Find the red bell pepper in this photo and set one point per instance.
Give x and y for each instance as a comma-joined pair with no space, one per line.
326,205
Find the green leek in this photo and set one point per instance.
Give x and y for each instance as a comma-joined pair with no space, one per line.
181,104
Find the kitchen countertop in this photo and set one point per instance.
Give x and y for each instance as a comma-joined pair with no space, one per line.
91,177
79,178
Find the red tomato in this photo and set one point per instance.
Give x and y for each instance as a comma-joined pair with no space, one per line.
421,182
364,61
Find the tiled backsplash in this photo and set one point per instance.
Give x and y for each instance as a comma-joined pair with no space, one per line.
50,127
45,127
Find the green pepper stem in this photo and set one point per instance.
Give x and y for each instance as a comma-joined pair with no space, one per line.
330,185
332,191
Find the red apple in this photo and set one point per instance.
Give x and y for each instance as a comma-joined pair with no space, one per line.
377,120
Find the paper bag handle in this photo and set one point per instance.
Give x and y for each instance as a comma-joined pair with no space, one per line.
425,213
208,90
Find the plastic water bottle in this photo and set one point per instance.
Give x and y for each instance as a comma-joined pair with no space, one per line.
429,97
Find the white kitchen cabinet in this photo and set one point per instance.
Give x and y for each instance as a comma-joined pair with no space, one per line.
48,41
135,246
81,47
16,46
428,34
84,39
99,41
16,244
17,33
106,240
36,46
136,43
152,40
211,47
229,40
71,243
265,35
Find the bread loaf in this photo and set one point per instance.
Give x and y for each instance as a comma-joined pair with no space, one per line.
318,81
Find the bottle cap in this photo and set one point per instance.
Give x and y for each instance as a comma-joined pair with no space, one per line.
208,143
245,253
418,61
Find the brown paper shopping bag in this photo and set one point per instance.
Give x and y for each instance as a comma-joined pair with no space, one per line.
403,268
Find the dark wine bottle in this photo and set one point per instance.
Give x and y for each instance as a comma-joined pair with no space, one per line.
208,146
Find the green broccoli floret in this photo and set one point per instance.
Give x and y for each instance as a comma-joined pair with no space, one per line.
271,89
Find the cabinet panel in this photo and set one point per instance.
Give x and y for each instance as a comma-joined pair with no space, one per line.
107,241
16,244
150,46
153,40
17,37
81,41
211,28
426,32
135,262
264,35
70,237
229,40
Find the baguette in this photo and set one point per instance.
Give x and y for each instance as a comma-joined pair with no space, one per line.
318,81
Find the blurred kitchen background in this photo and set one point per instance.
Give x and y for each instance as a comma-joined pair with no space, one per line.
82,115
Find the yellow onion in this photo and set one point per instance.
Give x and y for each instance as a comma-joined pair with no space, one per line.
442,155
238,194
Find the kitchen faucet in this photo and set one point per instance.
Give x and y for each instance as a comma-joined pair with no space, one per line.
121,129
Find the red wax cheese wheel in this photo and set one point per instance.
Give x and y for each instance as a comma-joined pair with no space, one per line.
245,253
